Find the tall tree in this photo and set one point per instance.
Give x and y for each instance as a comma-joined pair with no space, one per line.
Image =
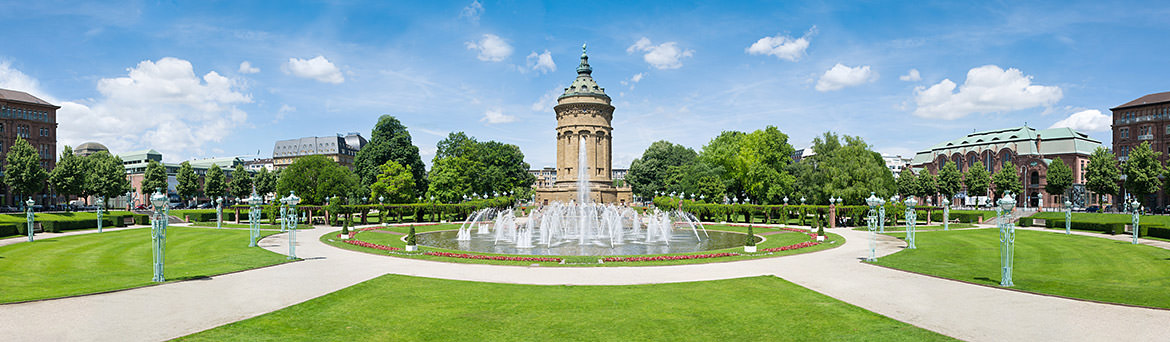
908,183
24,173
451,178
241,183
107,176
497,167
155,178
976,179
390,141
1007,179
754,164
1059,178
950,181
265,182
1101,175
214,182
649,172
1142,172
68,178
927,185
188,183
395,184
844,166
315,178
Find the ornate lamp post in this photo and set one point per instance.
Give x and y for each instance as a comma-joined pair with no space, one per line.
28,207
158,233
283,213
1040,202
219,210
881,215
292,201
911,218
1007,238
1135,208
871,220
254,203
100,204
801,200
1067,217
946,214
382,210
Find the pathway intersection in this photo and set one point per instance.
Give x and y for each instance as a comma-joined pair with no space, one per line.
965,311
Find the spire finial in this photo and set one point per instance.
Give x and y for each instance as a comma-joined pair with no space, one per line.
583,48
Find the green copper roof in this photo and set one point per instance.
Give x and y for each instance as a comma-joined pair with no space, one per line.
1023,140
584,84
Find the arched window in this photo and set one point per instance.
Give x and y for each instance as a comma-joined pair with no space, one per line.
987,161
1035,178
971,161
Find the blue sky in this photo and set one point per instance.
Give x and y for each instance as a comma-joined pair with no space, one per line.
230,78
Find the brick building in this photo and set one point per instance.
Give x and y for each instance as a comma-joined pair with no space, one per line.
1146,119
26,116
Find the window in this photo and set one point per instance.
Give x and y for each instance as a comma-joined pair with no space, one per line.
987,161
1124,133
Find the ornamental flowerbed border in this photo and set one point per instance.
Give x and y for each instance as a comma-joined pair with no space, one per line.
491,257
669,257
791,247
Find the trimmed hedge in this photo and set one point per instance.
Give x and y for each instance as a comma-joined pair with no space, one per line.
1104,227
7,229
204,215
1157,231
1025,222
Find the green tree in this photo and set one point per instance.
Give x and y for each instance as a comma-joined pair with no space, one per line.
497,167
451,178
927,185
68,178
844,166
390,141
1059,178
976,179
395,183
649,173
1007,179
1101,175
265,181
908,184
24,173
1142,172
241,183
950,181
155,177
188,182
315,178
754,164
107,176
214,182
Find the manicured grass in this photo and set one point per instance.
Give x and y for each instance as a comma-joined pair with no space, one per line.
72,265
774,240
402,308
262,226
1067,265
920,227
1161,220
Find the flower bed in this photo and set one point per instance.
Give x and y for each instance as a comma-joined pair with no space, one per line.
668,257
371,245
352,233
492,257
792,247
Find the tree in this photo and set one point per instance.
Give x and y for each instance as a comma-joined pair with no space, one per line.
844,166
1142,171
265,182
976,179
155,177
315,178
908,183
241,183
1007,179
1059,177
214,182
188,185
68,178
107,176
1101,175
950,181
390,141
649,172
753,164
496,167
24,173
395,183
451,178
927,185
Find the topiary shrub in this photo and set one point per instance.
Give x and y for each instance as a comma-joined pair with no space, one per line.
345,227
751,237
410,240
821,231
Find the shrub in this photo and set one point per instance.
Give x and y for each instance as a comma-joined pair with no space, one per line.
1025,222
345,227
7,229
1155,231
410,240
751,237
821,231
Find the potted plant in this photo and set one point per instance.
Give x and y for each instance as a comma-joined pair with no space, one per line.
821,233
411,244
345,229
749,246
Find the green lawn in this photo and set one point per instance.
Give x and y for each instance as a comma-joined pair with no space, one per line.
922,227
1162,220
72,265
1067,265
402,308
300,226
775,240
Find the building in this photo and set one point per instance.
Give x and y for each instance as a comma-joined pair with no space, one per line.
584,143
342,149
255,165
89,148
896,164
1028,149
28,117
135,163
547,177
1146,119
800,154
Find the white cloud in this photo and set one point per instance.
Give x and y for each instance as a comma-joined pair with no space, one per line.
247,68
548,100
911,76
542,63
637,77
15,80
472,12
284,109
491,48
841,76
987,89
662,56
496,116
318,68
159,104
1086,121
782,46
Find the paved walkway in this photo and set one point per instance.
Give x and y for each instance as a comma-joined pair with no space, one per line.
964,311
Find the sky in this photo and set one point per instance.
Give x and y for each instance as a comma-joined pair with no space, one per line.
200,79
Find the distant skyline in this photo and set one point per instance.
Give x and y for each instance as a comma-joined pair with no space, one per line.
215,79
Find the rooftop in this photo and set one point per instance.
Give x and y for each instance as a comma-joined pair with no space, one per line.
584,84
1146,100
20,96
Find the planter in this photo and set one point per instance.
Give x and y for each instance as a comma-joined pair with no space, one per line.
820,238
345,236
749,249
412,248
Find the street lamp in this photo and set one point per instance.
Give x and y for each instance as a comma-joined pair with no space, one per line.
284,213
871,220
382,209
100,204
1067,217
254,203
1136,208
881,215
801,200
158,233
219,211
911,216
1040,202
1007,238
946,214
28,207
292,201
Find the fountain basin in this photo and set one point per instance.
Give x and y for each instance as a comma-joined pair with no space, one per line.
681,241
